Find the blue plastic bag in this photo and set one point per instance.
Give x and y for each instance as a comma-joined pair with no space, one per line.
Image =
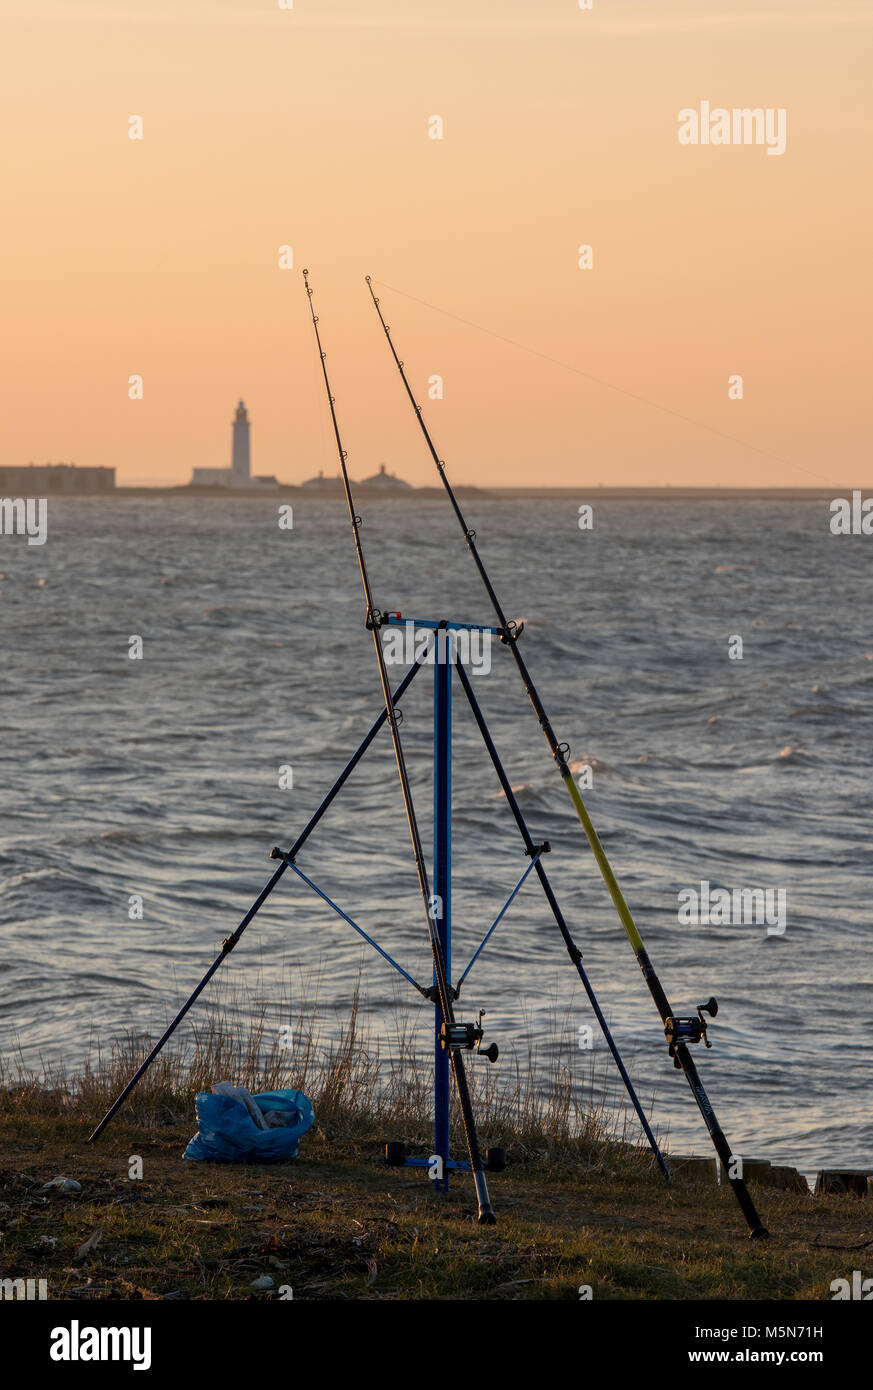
228,1134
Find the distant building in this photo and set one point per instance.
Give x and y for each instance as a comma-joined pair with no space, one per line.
210,477
239,473
378,482
66,479
386,482
323,484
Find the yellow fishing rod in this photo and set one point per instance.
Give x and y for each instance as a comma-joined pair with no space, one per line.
680,1032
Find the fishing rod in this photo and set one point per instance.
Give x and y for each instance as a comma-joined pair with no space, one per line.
572,949
454,1036
680,1032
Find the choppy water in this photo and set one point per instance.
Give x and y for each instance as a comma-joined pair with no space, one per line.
160,777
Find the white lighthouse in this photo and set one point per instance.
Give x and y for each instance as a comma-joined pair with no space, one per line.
241,456
240,472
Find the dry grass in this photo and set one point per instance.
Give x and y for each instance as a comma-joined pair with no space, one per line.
359,1089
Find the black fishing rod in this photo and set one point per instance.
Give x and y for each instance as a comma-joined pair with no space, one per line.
680,1032
572,949
455,1036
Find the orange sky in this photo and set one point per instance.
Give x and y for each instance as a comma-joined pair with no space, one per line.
309,127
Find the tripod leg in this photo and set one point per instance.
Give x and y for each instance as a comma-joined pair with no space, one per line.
168,1032
231,941
572,949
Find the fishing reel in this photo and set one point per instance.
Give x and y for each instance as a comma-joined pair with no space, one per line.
512,631
467,1036
682,1031
376,618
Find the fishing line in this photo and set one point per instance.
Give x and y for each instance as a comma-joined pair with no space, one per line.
608,385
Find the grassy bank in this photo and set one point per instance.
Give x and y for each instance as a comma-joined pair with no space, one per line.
578,1204
336,1224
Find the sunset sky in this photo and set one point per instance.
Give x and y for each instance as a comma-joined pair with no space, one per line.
309,127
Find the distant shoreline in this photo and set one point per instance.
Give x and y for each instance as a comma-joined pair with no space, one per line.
583,492
675,494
